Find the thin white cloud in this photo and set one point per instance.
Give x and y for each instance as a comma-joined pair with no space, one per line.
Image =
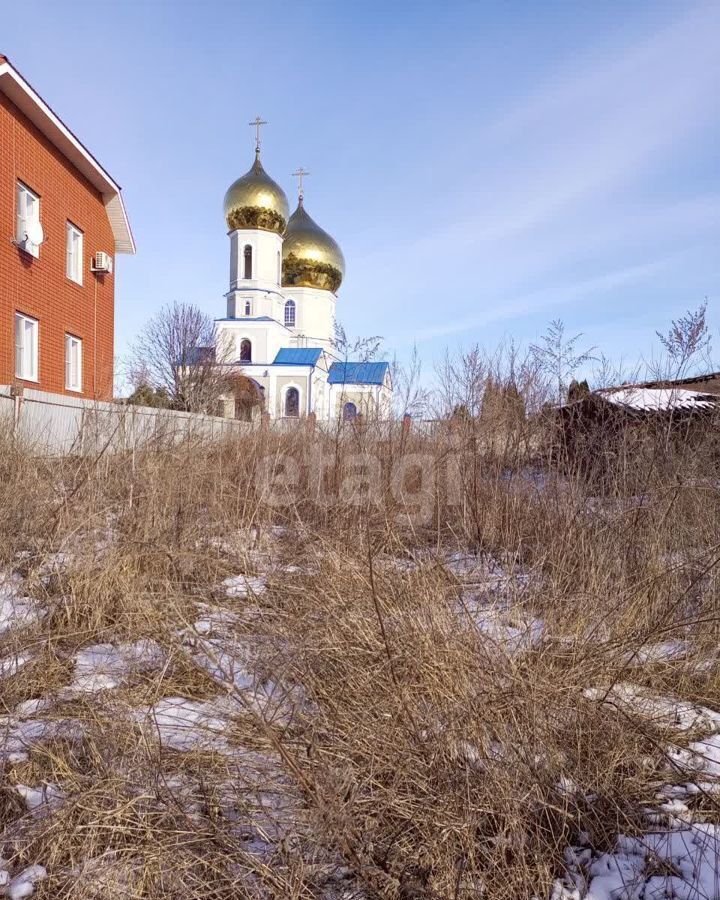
563,184
514,307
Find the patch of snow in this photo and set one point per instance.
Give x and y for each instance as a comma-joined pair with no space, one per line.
659,399
23,885
34,798
32,707
16,610
701,756
666,711
225,661
244,585
12,664
506,627
182,724
17,738
680,863
105,666
665,651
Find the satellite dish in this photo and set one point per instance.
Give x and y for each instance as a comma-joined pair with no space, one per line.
35,233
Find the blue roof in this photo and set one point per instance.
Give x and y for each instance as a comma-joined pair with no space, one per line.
297,356
357,372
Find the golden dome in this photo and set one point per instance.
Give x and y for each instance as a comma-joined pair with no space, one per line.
255,201
310,257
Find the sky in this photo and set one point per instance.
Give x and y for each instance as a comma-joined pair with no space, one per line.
485,166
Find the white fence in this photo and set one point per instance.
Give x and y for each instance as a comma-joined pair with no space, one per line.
54,424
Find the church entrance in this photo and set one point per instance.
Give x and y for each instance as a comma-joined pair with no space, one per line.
249,398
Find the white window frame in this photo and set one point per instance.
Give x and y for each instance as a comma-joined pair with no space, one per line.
290,305
74,253
26,347
73,367
28,210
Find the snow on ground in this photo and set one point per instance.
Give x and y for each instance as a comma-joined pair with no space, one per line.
12,664
182,724
18,736
16,611
239,586
667,864
666,711
678,858
106,666
23,884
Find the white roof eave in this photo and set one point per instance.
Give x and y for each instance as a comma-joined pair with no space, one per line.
14,86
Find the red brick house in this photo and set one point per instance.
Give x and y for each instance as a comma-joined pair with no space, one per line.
62,222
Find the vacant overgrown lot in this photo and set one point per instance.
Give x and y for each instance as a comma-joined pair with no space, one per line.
446,664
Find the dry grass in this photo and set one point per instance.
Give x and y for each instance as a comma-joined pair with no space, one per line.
417,750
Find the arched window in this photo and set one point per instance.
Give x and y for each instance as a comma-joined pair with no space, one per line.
279,268
248,308
245,350
247,253
292,402
349,412
290,314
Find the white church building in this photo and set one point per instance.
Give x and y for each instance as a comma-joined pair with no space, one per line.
279,330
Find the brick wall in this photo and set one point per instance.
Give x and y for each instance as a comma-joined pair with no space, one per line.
40,287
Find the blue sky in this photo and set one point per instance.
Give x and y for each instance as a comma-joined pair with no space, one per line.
485,166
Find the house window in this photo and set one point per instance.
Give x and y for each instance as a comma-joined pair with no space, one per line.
292,402
74,268
245,350
73,363
247,254
28,218
290,314
248,308
26,347
349,412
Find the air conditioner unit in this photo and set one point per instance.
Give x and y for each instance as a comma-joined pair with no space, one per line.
102,262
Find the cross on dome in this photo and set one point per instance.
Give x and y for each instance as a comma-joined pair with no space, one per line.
257,125
300,174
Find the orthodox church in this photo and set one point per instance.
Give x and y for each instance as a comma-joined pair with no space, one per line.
285,274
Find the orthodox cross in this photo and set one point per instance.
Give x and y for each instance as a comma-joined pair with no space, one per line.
300,174
257,125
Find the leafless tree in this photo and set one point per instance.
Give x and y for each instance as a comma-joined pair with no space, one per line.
559,358
461,378
357,349
464,377
410,397
687,341
178,354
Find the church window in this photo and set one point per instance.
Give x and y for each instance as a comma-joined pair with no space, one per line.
292,402
349,412
245,350
290,314
279,268
248,308
247,253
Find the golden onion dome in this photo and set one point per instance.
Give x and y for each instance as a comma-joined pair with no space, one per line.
310,257
256,201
